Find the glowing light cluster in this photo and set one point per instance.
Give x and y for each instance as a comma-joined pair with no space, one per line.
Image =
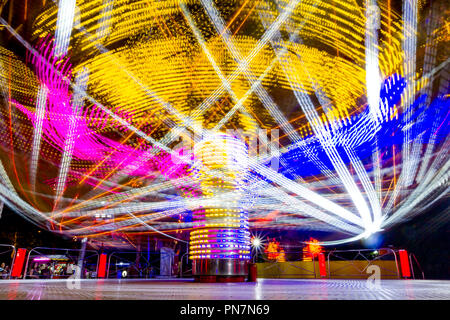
220,166
275,251
312,250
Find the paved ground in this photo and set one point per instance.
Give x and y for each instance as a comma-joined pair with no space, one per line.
182,289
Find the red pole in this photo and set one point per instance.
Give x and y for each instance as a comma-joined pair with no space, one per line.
322,265
404,263
252,272
102,266
16,270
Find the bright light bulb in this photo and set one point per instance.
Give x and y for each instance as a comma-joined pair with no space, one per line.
256,242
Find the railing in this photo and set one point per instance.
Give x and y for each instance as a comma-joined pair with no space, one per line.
341,263
139,271
359,261
66,252
411,256
188,272
90,264
5,274
293,267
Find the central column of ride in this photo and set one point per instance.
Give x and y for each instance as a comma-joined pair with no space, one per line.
220,241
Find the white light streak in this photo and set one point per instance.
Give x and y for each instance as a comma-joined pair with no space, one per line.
64,25
37,136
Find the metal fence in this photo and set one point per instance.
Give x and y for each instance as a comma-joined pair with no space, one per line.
132,264
7,256
293,266
340,264
185,266
356,263
415,272
53,263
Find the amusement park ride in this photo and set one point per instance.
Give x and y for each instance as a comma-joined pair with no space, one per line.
198,121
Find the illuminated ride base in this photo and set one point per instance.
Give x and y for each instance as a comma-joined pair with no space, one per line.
220,241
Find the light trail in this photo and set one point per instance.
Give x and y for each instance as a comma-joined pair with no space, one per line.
41,104
364,119
72,134
66,15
